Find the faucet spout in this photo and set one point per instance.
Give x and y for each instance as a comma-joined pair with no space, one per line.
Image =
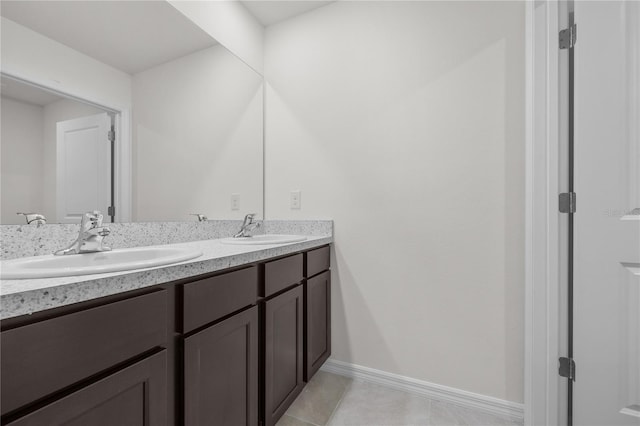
247,226
90,237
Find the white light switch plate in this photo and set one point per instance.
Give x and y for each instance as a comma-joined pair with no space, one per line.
296,200
235,201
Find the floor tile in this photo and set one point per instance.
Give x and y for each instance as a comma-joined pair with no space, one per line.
319,398
366,404
443,414
291,421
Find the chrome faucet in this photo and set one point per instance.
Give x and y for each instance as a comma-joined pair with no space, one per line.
247,226
36,218
201,217
90,236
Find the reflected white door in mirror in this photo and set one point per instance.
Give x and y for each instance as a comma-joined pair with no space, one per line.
83,167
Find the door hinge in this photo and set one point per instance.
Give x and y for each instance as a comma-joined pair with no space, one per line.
567,368
111,211
568,37
111,135
567,202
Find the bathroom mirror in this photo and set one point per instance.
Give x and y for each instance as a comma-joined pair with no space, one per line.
184,112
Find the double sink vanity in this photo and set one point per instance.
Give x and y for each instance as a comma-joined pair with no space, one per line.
227,336
179,323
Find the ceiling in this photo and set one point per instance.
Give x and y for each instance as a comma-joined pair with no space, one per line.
128,35
270,12
26,93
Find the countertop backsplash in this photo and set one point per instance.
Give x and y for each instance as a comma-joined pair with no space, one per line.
29,240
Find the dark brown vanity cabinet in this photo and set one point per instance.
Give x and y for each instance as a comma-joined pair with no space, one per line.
220,355
317,296
88,366
283,353
134,396
221,373
233,347
297,326
283,316
317,300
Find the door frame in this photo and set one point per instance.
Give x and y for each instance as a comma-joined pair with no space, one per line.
544,392
122,179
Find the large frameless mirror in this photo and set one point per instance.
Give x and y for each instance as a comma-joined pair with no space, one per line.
128,108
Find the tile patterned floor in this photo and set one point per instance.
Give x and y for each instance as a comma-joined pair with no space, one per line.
332,400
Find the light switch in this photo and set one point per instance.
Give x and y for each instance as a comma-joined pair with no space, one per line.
295,200
235,201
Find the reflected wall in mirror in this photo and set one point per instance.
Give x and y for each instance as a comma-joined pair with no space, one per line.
198,136
38,173
186,113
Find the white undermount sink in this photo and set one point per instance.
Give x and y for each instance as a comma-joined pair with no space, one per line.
50,266
264,239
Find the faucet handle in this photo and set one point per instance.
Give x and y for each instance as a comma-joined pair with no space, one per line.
201,217
38,218
248,219
92,219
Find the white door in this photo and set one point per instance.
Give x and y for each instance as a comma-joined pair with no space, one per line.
607,230
83,167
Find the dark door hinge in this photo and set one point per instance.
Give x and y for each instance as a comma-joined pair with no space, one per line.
567,202
111,211
568,37
567,368
111,135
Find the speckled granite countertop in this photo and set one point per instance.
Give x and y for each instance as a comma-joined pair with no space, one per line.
20,297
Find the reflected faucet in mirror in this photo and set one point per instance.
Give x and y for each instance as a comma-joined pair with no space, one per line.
247,226
201,217
36,218
90,236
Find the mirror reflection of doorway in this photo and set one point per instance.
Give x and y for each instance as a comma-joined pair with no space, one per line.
56,154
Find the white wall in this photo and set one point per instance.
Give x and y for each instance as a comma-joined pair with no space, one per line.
231,24
62,110
21,159
403,121
34,57
197,125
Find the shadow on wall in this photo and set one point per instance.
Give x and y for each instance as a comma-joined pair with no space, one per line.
340,331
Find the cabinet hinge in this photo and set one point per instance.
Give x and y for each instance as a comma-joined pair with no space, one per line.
568,37
111,135
567,202
567,368
111,211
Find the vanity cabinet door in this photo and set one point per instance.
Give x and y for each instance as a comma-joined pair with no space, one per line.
64,351
317,297
283,357
134,396
221,373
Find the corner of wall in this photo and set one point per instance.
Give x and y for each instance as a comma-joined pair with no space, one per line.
231,24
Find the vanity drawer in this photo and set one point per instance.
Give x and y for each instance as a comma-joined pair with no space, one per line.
282,273
44,357
207,300
317,261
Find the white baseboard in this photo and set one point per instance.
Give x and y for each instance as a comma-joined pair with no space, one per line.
455,396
